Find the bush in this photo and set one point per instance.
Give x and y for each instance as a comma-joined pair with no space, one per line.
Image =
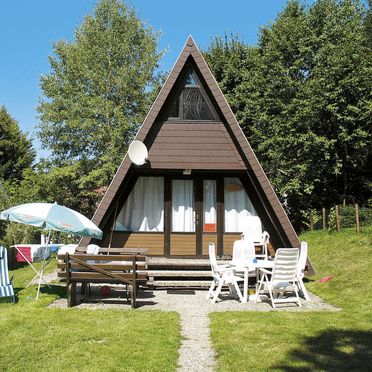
347,216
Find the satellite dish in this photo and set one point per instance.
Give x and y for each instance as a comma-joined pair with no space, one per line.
138,153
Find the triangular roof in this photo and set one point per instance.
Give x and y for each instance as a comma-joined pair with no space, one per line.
190,50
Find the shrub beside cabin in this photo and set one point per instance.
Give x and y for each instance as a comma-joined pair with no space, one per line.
201,180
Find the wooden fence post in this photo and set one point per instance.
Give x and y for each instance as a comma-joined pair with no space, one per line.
338,218
357,218
324,218
311,221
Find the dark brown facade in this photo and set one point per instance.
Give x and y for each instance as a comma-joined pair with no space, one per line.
202,148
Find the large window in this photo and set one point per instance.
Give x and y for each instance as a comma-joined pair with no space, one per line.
210,205
191,103
183,206
237,206
144,208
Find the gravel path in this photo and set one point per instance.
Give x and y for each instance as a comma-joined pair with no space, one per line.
196,352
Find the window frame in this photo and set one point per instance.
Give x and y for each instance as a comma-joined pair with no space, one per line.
179,95
117,213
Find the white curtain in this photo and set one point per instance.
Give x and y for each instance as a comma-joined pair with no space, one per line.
183,206
144,208
237,206
210,201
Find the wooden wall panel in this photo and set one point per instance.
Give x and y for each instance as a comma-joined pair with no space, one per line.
228,241
202,145
183,245
154,242
208,238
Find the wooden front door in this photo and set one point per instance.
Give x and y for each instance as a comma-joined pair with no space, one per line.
193,222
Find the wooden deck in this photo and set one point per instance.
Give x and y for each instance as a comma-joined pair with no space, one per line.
179,272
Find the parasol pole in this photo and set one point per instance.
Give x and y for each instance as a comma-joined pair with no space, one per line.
113,223
43,265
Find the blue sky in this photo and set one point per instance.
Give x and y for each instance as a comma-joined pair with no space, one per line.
29,28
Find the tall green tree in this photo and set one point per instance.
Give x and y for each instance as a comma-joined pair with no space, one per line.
229,59
368,24
97,94
306,103
16,151
16,157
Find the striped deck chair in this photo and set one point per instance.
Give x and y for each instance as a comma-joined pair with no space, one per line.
6,286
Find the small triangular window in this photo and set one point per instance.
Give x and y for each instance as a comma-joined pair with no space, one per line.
191,103
190,79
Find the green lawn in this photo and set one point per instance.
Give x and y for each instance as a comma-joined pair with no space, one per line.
34,337
309,341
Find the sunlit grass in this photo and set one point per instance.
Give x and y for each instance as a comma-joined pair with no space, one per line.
298,341
35,337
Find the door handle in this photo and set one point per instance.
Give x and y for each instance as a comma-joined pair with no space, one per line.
196,218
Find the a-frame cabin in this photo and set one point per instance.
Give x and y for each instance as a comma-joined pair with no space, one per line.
202,178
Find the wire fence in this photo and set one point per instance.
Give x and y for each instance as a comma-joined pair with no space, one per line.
339,217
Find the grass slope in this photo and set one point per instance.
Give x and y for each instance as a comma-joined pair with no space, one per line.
309,341
34,337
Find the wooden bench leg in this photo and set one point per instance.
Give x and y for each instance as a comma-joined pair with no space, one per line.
71,295
127,291
83,290
133,295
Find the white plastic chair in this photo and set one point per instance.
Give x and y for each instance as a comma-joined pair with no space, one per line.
301,270
67,248
264,242
253,229
222,275
283,277
243,250
93,249
253,232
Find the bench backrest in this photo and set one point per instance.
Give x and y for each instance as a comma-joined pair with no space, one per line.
102,268
106,250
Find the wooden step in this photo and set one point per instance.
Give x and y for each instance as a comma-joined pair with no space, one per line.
184,263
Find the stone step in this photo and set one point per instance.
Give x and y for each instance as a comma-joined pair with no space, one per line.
180,283
179,273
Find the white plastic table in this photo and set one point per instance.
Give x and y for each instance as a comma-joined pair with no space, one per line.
246,267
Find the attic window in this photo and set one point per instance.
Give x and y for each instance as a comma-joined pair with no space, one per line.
191,103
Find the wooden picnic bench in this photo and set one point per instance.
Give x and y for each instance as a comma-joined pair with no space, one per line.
82,268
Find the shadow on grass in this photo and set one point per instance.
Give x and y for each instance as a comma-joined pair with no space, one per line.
118,297
332,350
54,290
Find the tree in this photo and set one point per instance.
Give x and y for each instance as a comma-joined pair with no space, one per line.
228,57
306,104
97,94
16,152
16,156
368,24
